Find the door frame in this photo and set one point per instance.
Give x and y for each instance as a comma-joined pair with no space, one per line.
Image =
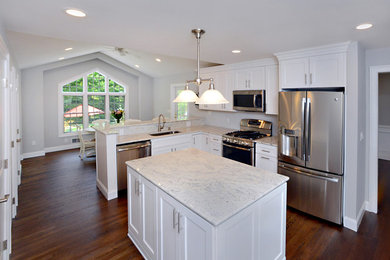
373,137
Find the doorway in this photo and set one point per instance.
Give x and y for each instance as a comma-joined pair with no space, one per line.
377,74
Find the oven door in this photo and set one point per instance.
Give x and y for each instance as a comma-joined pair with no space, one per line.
238,153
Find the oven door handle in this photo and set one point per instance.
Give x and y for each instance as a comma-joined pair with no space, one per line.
236,147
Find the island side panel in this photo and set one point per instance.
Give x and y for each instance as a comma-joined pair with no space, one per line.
106,178
257,232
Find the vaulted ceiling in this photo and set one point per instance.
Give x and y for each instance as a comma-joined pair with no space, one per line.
258,28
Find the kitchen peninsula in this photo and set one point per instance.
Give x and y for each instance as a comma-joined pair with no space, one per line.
191,204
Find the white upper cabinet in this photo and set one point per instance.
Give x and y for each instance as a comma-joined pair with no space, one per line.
328,70
272,90
293,73
250,79
318,67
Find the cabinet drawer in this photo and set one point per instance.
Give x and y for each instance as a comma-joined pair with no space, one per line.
267,150
266,162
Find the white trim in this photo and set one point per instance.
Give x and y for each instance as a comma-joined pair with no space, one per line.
372,204
354,224
33,154
61,147
103,189
173,96
314,51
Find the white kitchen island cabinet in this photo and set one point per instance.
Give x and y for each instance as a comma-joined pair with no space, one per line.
192,209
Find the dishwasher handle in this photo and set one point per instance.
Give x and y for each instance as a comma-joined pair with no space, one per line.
132,146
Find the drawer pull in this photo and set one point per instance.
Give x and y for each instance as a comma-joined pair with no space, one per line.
266,158
266,151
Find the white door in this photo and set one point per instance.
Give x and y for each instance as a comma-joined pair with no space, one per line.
294,73
328,70
134,204
168,248
5,180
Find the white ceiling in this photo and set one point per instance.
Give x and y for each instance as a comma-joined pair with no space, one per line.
32,50
259,28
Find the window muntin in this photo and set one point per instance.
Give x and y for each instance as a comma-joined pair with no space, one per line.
73,114
81,106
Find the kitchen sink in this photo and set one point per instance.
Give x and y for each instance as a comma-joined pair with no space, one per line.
164,133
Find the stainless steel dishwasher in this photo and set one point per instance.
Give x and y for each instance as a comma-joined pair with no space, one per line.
127,152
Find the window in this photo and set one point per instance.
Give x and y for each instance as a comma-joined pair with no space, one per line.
180,109
88,98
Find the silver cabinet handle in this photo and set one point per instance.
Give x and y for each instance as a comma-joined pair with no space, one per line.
215,149
266,151
178,222
135,187
174,219
266,158
5,199
139,189
18,140
311,78
249,83
194,139
305,79
207,140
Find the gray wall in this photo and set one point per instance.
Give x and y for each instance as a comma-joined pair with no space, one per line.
40,97
384,99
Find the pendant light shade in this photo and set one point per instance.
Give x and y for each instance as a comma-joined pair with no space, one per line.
212,96
186,95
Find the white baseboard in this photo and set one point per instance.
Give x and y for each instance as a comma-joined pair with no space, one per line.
33,154
103,190
62,147
354,224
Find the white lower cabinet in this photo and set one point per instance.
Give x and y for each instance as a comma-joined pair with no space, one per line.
142,214
171,144
163,228
266,157
208,142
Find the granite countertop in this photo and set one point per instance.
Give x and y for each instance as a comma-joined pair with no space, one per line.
213,187
123,139
272,140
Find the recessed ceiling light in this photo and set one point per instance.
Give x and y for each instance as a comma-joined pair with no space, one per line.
136,65
364,26
75,12
236,51
61,58
158,60
69,49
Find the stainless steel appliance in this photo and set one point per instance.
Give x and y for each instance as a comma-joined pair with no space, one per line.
311,148
127,152
249,100
240,145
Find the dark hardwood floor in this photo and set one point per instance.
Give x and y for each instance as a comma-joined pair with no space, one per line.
62,215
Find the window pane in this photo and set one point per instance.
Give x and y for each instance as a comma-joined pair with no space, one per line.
73,113
75,86
96,108
116,102
115,87
96,82
181,109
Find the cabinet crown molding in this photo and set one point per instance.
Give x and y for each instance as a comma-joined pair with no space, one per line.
314,51
241,65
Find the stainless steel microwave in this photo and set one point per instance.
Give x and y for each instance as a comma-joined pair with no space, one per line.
249,100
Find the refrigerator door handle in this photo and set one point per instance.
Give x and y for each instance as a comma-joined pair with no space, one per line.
309,174
303,130
308,129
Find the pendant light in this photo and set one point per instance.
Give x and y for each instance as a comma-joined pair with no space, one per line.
210,96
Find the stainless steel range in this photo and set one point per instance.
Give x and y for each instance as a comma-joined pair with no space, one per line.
240,145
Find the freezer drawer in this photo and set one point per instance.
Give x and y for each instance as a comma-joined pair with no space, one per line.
312,192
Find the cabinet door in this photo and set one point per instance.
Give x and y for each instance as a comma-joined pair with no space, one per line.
228,91
328,70
272,90
182,146
168,234
256,78
149,218
294,73
241,81
214,144
162,149
266,162
199,141
134,204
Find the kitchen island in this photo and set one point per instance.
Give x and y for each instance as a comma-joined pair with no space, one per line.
194,205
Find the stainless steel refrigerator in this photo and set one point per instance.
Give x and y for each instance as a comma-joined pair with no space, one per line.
311,149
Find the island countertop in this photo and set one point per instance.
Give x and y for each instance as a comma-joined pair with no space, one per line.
213,187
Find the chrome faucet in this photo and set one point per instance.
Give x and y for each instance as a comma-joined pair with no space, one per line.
159,127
